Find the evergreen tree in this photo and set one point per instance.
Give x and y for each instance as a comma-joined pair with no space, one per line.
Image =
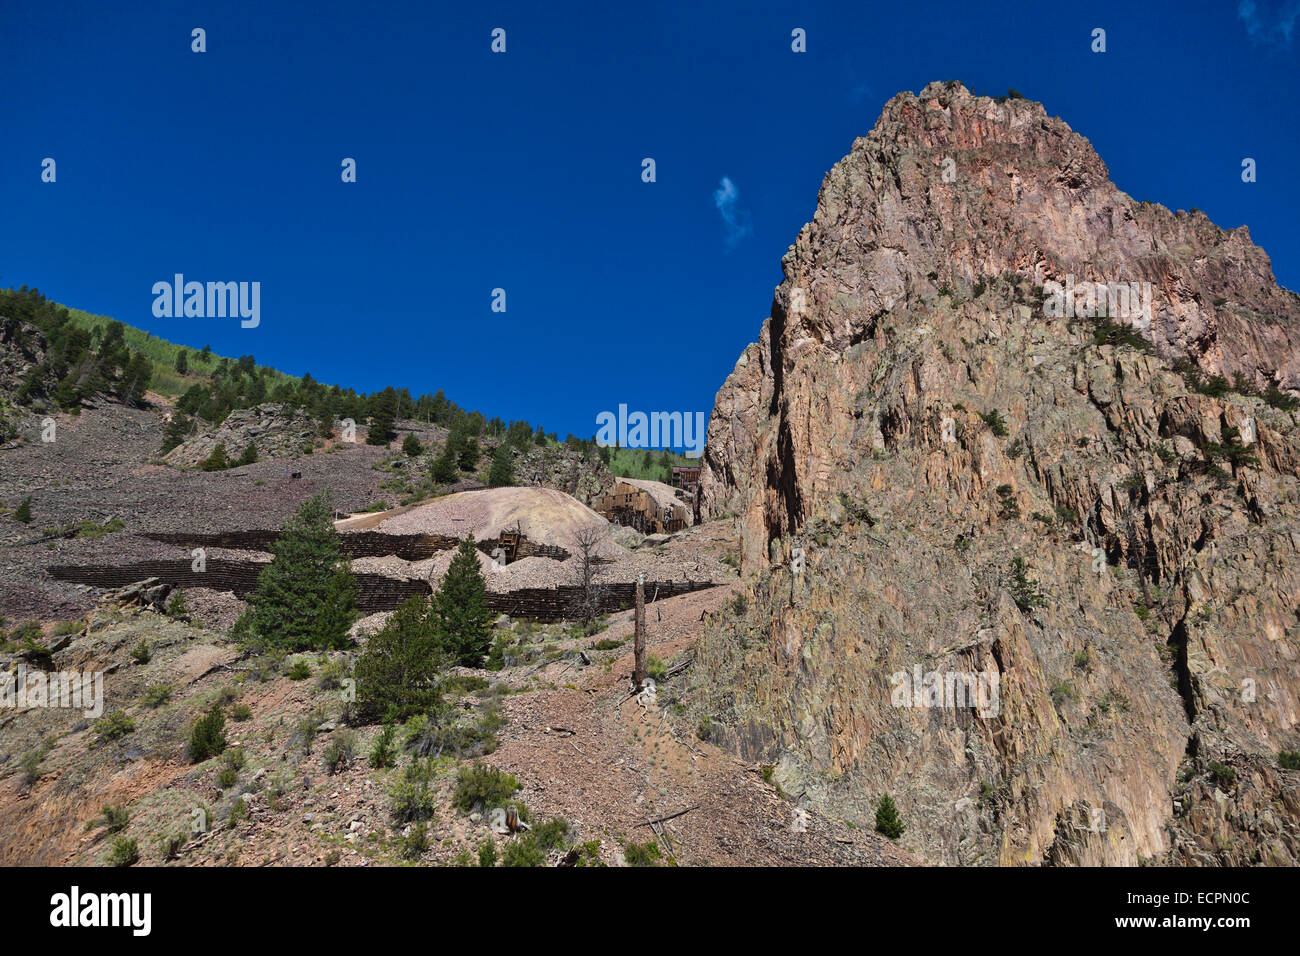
135,378
411,446
540,437
397,675
469,453
175,432
217,461
888,822
306,597
460,611
249,456
182,361
444,467
382,417
502,473
23,512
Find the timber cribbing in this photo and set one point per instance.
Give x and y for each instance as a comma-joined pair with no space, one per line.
358,544
375,592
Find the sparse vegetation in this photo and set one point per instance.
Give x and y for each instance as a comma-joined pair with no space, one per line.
113,726
480,785
208,736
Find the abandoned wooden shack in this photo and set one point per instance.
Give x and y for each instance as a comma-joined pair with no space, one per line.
650,507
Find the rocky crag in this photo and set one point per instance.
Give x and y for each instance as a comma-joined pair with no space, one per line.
933,470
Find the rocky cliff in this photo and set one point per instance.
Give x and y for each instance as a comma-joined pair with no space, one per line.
1087,502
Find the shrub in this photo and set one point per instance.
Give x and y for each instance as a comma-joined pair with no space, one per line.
208,737
997,424
480,784
1289,760
523,851
656,669
888,822
416,843
31,766
300,670
125,852
177,607
1024,589
113,817
156,695
216,461
241,712
642,854
381,754
23,512
411,796
1223,775
329,676
141,653
113,725
227,777
340,752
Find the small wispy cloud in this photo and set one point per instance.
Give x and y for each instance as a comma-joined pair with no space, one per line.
735,219
1270,22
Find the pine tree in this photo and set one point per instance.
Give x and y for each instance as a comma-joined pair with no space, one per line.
411,446
444,467
23,512
382,417
175,432
460,611
182,362
216,461
888,822
502,473
306,597
398,672
469,453
249,456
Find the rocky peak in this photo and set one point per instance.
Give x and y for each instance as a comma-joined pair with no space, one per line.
935,464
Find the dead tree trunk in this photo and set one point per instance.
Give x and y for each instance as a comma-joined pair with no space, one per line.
638,671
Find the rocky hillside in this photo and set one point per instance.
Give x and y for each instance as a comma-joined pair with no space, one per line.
276,431
932,467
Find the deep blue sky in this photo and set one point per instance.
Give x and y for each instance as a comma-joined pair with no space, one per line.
522,170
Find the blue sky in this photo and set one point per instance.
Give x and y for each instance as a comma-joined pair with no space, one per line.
522,170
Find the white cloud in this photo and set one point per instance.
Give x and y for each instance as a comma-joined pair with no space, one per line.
735,219
1270,22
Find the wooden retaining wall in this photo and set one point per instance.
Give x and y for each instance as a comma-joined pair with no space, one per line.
375,592
356,544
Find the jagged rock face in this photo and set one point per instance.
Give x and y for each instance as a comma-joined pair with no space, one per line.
564,468
278,432
22,348
976,485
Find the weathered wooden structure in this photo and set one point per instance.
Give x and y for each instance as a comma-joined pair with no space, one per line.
686,477
633,507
